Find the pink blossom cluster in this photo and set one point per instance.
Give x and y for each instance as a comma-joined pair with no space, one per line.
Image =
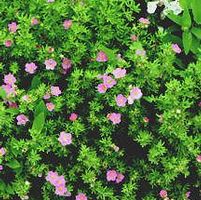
30,68
73,117
2,151
81,196
176,48
101,57
163,194
65,138
54,91
59,183
108,81
115,118
114,176
22,119
12,27
144,21
9,84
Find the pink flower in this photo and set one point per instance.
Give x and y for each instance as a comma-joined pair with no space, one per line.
9,79
163,194
58,181
1,167
198,158
114,117
134,38
108,81
30,68
55,90
176,48
199,104
146,119
52,177
101,57
10,90
102,88
65,138
66,64
50,1
13,27
73,117
34,21
61,190
67,24
188,194
140,52
22,119
111,175
8,43
12,104
50,106
81,196
46,96
121,100
136,93
144,21
26,98
2,151
120,177
119,73
50,64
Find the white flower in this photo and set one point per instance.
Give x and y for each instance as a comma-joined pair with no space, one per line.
152,6
173,6
130,100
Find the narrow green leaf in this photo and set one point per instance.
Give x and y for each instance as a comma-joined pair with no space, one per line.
187,41
195,5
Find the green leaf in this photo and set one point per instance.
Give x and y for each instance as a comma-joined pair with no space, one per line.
13,164
196,32
195,45
186,19
195,5
40,108
39,122
187,41
185,4
35,82
175,18
2,93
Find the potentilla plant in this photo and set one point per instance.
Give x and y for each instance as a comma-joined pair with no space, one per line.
94,105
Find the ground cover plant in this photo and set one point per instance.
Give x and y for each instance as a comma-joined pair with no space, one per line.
100,100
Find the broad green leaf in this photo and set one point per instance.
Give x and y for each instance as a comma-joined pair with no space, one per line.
13,164
35,82
196,32
187,41
39,122
2,185
195,45
186,19
175,18
40,108
2,93
185,4
195,5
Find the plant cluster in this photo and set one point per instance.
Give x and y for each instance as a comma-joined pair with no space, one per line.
96,103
